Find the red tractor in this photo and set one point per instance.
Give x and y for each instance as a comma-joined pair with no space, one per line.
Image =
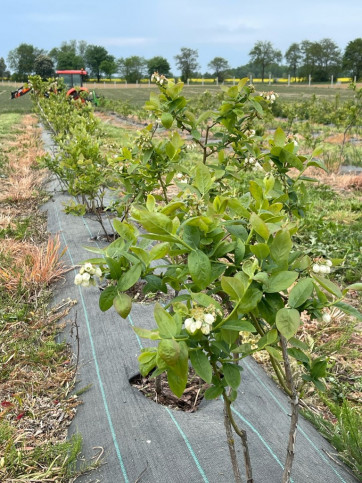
73,80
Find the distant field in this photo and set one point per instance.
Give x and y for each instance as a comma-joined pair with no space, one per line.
138,95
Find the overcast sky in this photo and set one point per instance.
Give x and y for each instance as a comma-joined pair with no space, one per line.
226,28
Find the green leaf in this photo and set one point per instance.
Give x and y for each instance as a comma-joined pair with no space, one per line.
349,310
279,137
318,369
355,286
281,246
288,322
301,292
165,322
129,278
318,164
122,304
329,286
205,300
298,354
154,222
115,268
233,287
167,120
275,353
159,250
177,374
259,226
196,134
151,203
232,375
256,191
250,300
261,250
239,325
201,364
269,338
213,392
147,334
106,298
280,281
147,361
202,180
200,268
169,351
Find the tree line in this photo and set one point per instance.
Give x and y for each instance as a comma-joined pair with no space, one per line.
320,59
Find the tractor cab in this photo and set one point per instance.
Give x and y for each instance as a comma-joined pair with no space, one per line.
72,79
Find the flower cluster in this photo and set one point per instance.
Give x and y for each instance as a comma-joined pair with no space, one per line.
269,96
181,178
86,275
322,268
291,138
252,163
159,79
201,319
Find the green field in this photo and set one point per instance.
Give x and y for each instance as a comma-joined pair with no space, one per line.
138,95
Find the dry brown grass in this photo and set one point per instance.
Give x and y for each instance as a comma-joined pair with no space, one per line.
23,180
31,267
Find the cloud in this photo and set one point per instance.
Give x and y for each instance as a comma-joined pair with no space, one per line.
122,41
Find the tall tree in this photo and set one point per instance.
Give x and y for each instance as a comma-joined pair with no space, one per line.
219,67
320,59
2,67
43,66
352,58
22,59
94,56
132,68
293,56
70,55
109,66
263,54
186,61
158,64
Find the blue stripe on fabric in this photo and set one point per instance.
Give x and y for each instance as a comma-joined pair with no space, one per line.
299,428
188,446
104,398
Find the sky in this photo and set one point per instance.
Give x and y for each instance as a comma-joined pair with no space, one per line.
227,28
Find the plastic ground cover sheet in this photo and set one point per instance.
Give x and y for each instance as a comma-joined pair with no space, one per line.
147,442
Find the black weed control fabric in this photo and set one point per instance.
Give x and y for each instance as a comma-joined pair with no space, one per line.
148,443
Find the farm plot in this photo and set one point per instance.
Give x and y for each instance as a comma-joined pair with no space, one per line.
224,248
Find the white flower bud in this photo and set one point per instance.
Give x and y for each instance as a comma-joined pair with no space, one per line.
209,319
98,272
316,268
323,269
179,175
198,324
85,283
86,276
193,327
188,323
327,269
326,318
78,279
88,267
329,263
205,329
